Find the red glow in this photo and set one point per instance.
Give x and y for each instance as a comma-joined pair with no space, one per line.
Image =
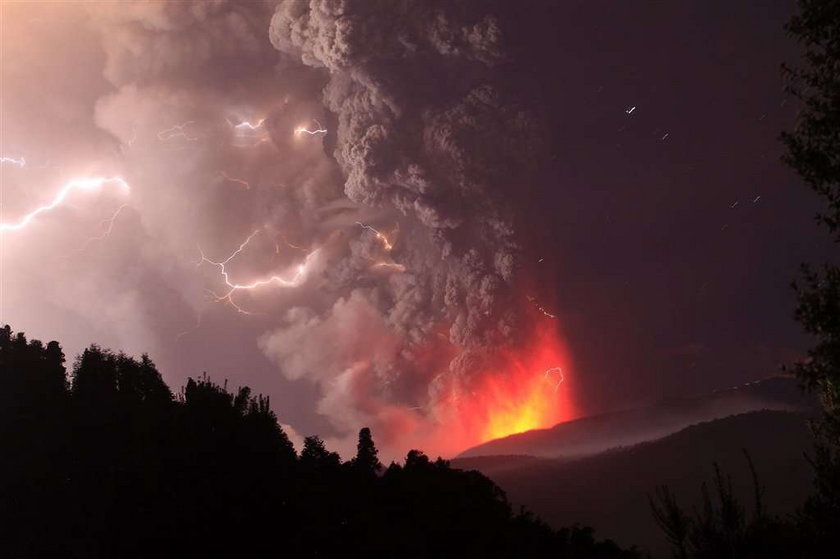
517,397
522,398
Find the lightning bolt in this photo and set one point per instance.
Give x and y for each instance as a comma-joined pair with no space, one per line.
68,188
107,226
124,147
191,330
560,377
177,131
304,130
386,244
288,244
245,184
294,280
248,125
389,265
17,161
253,132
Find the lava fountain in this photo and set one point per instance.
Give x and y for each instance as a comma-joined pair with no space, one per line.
528,388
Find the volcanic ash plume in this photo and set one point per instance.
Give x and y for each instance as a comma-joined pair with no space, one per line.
345,182
428,134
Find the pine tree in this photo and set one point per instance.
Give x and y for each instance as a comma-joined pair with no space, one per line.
367,457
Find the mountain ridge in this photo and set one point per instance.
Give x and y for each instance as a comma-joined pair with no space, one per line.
597,433
611,489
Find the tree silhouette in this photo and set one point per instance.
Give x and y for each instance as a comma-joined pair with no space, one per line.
814,152
367,457
114,465
722,528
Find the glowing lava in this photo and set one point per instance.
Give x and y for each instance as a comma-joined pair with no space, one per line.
527,391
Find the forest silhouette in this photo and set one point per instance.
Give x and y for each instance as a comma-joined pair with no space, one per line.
107,461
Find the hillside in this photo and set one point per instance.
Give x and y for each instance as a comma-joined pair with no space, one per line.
598,433
610,489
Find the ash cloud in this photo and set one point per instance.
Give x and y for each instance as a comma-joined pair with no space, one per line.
423,137
423,130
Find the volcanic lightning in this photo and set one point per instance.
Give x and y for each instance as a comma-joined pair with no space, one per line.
245,184
177,131
389,265
248,125
249,134
386,244
288,244
314,132
85,184
107,226
559,372
17,161
295,280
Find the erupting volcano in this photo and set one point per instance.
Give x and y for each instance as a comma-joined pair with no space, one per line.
525,389
369,239
528,391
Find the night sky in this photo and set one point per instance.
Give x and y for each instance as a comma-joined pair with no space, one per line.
607,172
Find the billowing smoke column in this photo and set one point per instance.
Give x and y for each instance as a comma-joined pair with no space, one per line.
423,131
352,175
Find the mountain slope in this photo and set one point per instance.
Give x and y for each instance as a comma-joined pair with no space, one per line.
609,490
594,434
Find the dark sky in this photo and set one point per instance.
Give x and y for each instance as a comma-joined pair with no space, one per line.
676,254
626,158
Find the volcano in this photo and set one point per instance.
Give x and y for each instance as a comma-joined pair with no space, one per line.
594,434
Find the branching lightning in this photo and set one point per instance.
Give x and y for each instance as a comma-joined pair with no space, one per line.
245,184
386,244
559,372
68,188
293,280
253,133
177,131
314,132
246,125
107,226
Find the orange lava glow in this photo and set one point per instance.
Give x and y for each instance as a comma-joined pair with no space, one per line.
523,397
519,396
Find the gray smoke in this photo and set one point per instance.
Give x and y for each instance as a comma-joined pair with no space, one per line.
426,143
422,130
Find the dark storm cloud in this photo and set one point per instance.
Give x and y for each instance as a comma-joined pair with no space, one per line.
423,129
421,144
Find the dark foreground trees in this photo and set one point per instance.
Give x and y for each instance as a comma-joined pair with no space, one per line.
112,464
723,527
814,152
